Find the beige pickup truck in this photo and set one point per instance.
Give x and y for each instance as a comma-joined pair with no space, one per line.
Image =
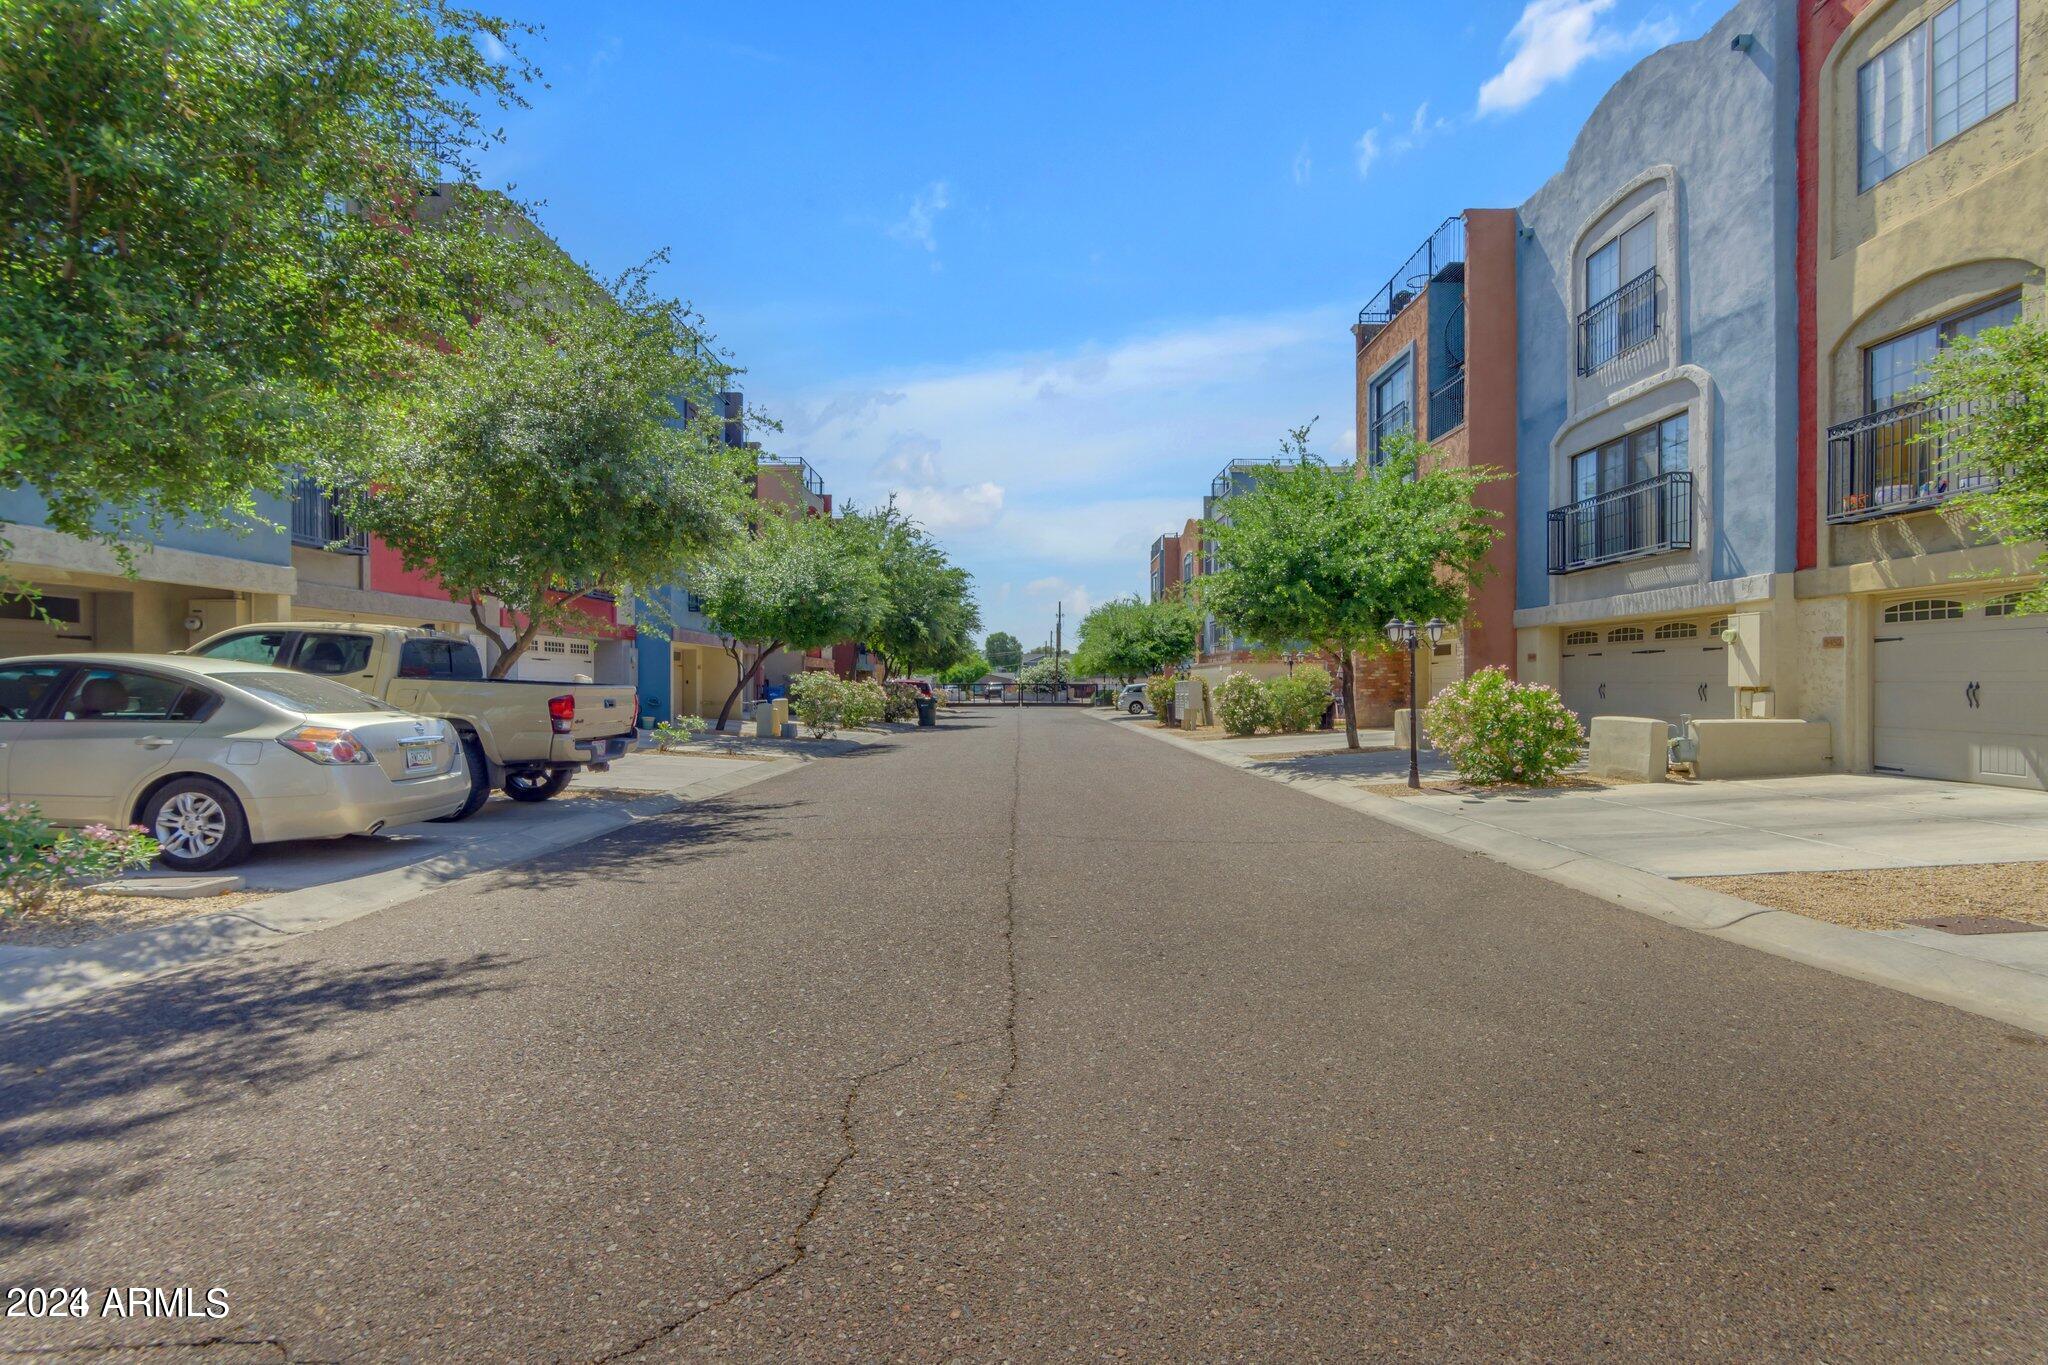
527,737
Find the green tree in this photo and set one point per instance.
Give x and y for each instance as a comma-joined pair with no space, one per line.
1126,638
796,583
967,671
1994,386
1328,555
540,459
207,263
925,615
1003,650
1050,672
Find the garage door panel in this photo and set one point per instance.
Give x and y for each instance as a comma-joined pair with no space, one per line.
1928,720
1665,681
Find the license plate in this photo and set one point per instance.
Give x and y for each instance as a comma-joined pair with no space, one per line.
418,757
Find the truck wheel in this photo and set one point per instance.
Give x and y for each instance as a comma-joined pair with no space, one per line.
479,781
198,825
537,784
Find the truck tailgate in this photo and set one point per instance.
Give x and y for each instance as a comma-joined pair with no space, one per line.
601,711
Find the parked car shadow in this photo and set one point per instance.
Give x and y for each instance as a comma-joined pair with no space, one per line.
81,1083
651,849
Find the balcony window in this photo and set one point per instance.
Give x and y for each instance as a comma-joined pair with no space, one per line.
1631,497
1390,406
1939,79
1621,282
1892,459
317,522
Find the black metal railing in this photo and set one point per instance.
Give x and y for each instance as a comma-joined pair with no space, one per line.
1444,249
1395,421
1618,324
1645,518
317,522
814,482
1896,461
1447,405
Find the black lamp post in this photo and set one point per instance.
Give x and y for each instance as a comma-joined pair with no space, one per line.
1408,635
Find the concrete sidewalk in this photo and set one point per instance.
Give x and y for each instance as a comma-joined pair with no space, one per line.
1627,844
323,883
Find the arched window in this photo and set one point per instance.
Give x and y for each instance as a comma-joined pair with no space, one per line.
1676,630
1923,609
1582,637
1624,635
2002,606
1718,628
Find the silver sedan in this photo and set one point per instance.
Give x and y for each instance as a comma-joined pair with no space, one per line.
211,756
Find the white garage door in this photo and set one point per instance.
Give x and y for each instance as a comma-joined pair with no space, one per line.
1666,669
1960,691
555,658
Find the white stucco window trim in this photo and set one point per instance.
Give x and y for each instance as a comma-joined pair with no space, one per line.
1594,232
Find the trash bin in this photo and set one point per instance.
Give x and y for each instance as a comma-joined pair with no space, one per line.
1329,718
927,713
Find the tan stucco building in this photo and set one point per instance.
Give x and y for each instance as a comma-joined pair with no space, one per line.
1924,189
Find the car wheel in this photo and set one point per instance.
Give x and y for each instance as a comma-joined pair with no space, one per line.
1137,708
537,784
198,825
479,781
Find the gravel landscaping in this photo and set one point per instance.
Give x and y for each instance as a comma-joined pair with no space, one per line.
1889,897
85,916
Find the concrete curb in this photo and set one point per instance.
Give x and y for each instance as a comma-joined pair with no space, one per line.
36,978
1971,984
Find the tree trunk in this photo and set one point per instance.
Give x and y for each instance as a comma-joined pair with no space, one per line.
519,643
760,658
1350,701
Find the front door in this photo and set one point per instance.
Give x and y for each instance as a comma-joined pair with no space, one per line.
110,730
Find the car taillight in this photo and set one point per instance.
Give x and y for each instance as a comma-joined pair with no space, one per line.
561,711
324,744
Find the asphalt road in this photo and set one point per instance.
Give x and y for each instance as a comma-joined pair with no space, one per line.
1029,1037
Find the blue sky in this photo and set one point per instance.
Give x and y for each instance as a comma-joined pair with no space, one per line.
1040,271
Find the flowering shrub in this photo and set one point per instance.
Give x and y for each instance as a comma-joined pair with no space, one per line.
674,734
1299,699
1243,704
899,698
1159,694
818,701
861,702
39,863
1495,730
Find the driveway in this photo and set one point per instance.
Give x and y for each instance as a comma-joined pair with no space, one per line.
1784,824
1023,1038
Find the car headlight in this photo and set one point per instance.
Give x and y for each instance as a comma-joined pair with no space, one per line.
325,744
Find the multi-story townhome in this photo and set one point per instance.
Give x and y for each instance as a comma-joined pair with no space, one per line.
1165,579
188,582
1924,194
1656,318
1434,357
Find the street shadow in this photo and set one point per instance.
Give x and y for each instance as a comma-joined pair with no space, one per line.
651,850
84,1086
1369,764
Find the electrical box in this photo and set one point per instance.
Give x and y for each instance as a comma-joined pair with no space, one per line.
1749,651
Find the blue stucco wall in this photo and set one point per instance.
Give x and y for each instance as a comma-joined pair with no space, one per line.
663,609
246,540
1724,120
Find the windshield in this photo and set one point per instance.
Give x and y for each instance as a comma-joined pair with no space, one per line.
298,692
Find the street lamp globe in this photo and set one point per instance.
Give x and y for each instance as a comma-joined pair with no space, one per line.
1397,630
1436,628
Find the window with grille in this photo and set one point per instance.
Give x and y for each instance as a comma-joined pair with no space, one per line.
1718,628
1937,80
1624,635
1676,630
2003,606
1923,609
1583,637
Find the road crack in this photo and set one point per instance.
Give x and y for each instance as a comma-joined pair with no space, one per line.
798,1241
1002,1095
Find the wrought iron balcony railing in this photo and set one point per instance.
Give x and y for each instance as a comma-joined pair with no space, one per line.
1624,321
1447,405
1893,461
318,524
814,482
1646,518
1433,259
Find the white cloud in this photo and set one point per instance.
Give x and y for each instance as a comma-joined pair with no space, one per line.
1063,592
947,510
1303,166
1068,464
915,226
1368,151
1553,39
